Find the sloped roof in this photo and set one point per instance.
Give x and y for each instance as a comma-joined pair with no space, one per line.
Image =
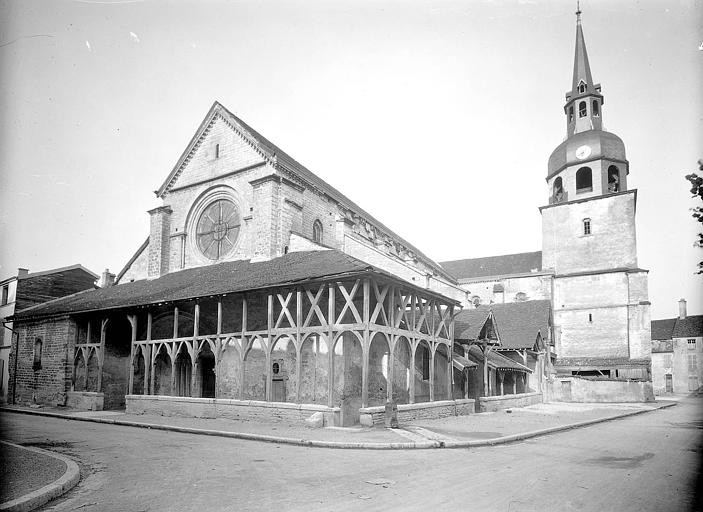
689,327
497,360
228,277
518,323
282,161
520,263
663,329
469,322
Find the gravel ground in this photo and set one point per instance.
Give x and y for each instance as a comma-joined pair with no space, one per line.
24,471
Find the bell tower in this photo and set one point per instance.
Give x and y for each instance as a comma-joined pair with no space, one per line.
599,299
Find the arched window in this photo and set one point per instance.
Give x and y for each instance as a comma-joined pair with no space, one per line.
582,87
586,226
476,301
595,108
584,182
37,354
582,109
317,231
558,191
571,113
613,179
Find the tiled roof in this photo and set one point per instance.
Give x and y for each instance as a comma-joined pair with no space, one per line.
668,328
663,329
517,323
521,263
496,360
286,162
469,322
228,277
689,327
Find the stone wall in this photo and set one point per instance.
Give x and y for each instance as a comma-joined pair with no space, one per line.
611,244
422,411
249,410
50,383
573,389
498,403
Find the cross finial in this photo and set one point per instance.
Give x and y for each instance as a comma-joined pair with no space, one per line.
578,10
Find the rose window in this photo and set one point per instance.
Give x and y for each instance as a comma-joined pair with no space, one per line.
218,229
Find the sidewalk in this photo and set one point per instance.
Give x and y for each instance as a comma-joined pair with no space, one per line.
480,429
30,477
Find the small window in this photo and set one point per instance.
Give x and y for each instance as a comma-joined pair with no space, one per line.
476,301
590,317
582,87
317,231
584,180
37,354
217,151
520,297
425,361
691,344
582,109
613,179
587,231
558,190
571,113
595,109
5,294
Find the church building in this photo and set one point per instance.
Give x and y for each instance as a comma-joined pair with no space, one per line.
587,267
263,292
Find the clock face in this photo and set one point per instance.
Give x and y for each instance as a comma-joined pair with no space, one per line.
583,152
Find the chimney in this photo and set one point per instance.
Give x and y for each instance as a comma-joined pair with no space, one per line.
159,242
682,309
22,271
107,279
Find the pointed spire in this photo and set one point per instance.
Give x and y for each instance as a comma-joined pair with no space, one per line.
582,69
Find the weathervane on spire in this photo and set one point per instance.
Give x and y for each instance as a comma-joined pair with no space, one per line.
578,10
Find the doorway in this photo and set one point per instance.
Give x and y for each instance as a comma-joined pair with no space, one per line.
278,383
669,383
206,361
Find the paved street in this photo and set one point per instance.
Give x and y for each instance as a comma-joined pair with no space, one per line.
645,462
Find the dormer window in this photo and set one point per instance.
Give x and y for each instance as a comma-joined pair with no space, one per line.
582,109
581,87
586,226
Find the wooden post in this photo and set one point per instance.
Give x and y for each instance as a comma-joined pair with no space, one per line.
485,370
101,354
133,322
219,317
413,353
330,344
244,344
269,328
148,387
432,374
298,345
501,375
391,367
515,377
366,347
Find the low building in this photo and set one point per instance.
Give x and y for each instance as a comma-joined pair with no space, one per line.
27,289
677,350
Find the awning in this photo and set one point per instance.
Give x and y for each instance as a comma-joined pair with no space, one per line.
461,363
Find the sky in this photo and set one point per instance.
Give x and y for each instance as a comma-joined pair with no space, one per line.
437,117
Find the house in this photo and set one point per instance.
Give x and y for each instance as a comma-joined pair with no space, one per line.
27,289
677,350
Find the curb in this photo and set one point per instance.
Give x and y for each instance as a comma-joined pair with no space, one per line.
36,499
341,445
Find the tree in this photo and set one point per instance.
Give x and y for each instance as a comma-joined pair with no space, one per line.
697,191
